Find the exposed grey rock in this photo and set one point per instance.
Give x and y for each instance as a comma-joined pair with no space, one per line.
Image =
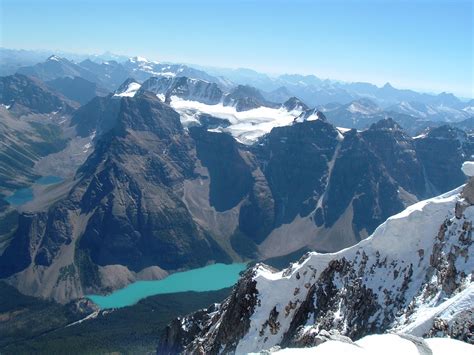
222,336
468,191
311,338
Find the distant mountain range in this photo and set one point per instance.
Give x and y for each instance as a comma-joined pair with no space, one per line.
414,111
316,91
340,91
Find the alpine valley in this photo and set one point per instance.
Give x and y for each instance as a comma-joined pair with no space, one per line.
116,170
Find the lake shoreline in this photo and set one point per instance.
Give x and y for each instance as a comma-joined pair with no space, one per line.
208,278
27,194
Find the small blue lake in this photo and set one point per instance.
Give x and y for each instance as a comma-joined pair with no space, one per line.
22,196
208,278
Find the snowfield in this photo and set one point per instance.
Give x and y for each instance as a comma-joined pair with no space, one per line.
386,344
468,168
130,91
245,126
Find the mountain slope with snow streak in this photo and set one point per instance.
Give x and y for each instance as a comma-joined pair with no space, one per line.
129,88
413,275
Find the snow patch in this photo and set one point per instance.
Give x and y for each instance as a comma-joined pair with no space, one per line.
161,97
130,91
139,59
54,58
343,129
468,168
387,344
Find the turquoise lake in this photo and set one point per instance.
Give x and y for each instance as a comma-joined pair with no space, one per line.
22,196
208,278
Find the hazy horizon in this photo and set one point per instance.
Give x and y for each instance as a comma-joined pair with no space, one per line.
59,52
420,45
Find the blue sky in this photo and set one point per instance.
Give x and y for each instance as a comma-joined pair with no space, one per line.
420,44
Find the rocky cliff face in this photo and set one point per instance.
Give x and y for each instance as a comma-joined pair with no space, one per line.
186,88
296,162
412,276
434,148
245,97
398,152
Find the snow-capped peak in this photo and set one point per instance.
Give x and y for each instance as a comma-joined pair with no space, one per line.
138,59
295,104
54,58
310,115
128,89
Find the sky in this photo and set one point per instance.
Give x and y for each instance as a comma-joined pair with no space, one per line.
425,45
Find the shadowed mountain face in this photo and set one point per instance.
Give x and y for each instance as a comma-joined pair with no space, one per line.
99,115
77,89
230,176
154,195
398,152
359,178
148,137
23,94
447,147
245,97
295,162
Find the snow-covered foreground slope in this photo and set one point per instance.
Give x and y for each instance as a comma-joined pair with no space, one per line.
414,275
388,344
